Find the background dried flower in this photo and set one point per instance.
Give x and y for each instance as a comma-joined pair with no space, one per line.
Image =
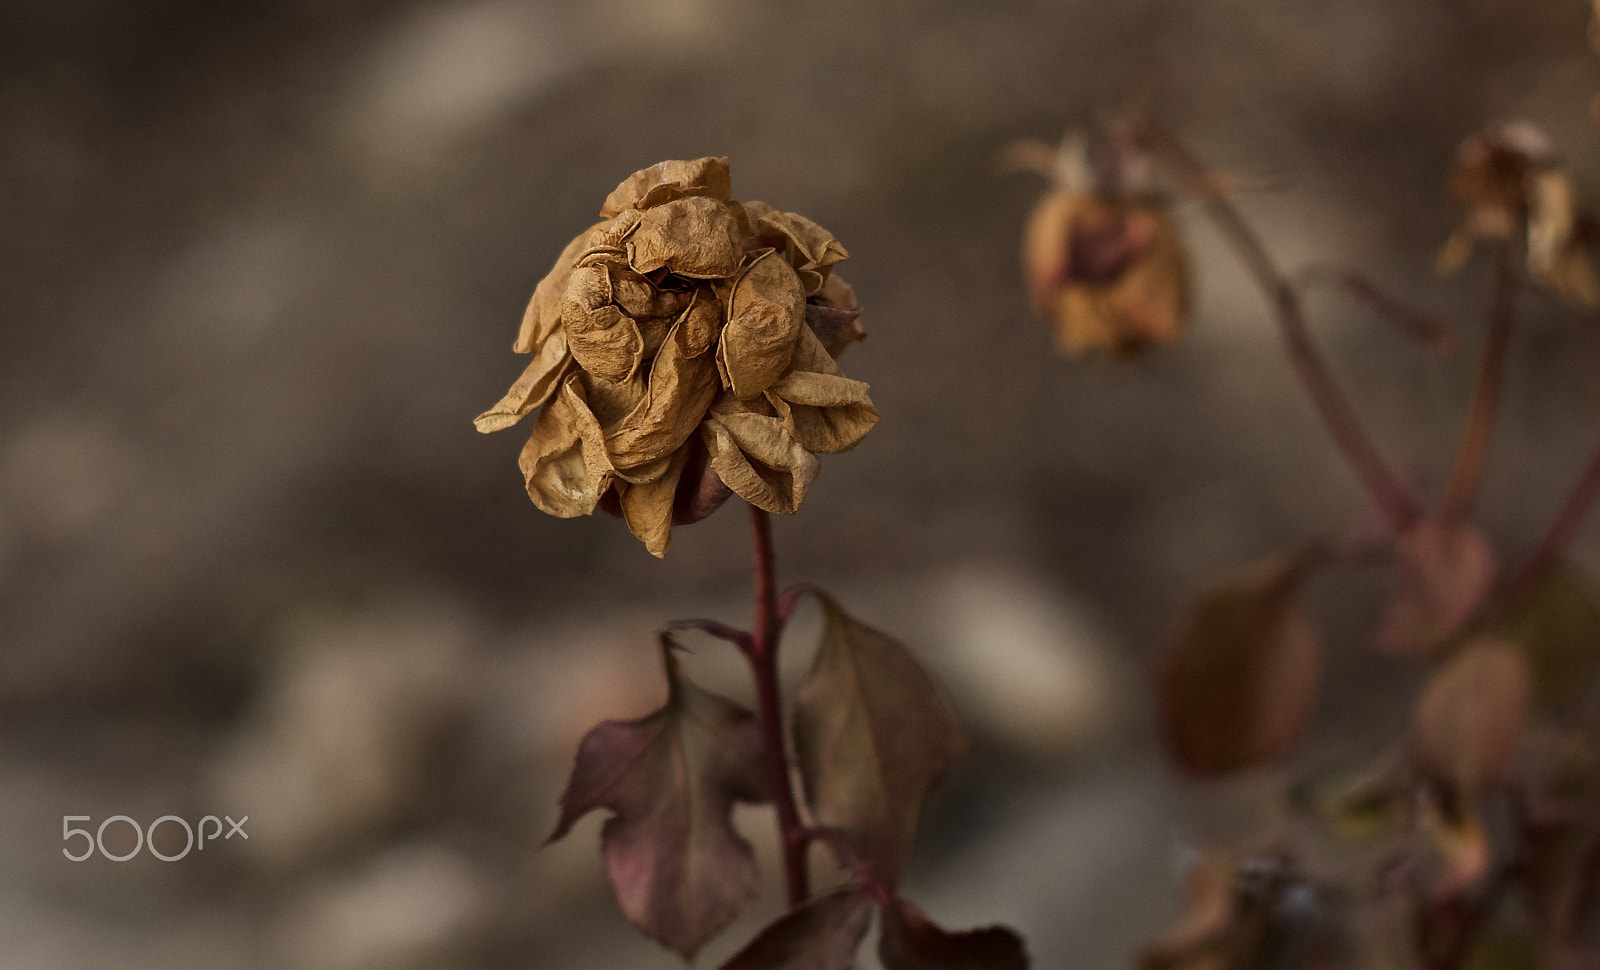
1105,266
683,352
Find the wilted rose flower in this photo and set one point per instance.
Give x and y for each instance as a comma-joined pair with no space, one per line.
1108,273
1508,180
683,350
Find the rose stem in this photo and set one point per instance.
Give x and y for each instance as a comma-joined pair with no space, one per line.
1471,456
1380,483
763,656
1555,541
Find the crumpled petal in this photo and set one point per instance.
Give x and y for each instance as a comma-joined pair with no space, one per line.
811,249
700,324
834,315
605,341
694,237
537,383
756,458
766,311
669,180
681,388
564,462
543,314
612,403
647,506
1555,258
826,412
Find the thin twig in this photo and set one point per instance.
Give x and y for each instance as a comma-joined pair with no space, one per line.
763,656
1425,328
1379,481
1471,457
1555,542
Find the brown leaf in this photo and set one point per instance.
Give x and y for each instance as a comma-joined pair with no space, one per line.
824,934
1443,571
1238,682
564,463
766,311
664,181
679,869
1559,629
536,385
911,941
872,734
694,237
1470,715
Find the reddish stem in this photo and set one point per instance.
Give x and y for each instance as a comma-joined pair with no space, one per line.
1555,541
1379,481
763,656
1474,451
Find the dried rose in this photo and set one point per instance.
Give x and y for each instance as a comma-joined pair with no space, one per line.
683,350
1104,263
1508,180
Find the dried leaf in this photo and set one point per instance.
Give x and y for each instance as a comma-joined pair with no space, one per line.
824,934
1470,715
664,181
755,457
1455,853
911,941
872,734
1555,259
1238,682
679,869
536,385
1559,629
1443,572
564,463
694,237
766,311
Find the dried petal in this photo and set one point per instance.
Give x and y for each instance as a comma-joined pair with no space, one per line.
766,311
701,323
1555,259
612,403
679,869
564,462
604,340
809,248
694,237
1443,572
756,458
834,315
680,389
1470,715
664,181
822,409
537,383
543,314
647,506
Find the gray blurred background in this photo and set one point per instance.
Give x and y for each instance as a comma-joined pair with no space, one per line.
262,262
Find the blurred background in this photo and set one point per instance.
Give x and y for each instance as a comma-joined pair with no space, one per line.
262,262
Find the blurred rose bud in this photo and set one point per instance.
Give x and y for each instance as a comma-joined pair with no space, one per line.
1507,179
1105,266
683,351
